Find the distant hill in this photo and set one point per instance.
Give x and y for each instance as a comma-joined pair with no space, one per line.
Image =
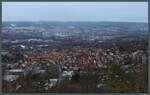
77,23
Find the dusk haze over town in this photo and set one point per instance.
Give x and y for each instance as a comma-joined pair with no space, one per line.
74,47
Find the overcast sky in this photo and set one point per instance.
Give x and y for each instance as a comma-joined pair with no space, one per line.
75,11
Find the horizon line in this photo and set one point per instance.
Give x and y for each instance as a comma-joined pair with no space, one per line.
75,21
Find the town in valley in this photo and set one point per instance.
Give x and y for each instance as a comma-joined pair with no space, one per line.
74,57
